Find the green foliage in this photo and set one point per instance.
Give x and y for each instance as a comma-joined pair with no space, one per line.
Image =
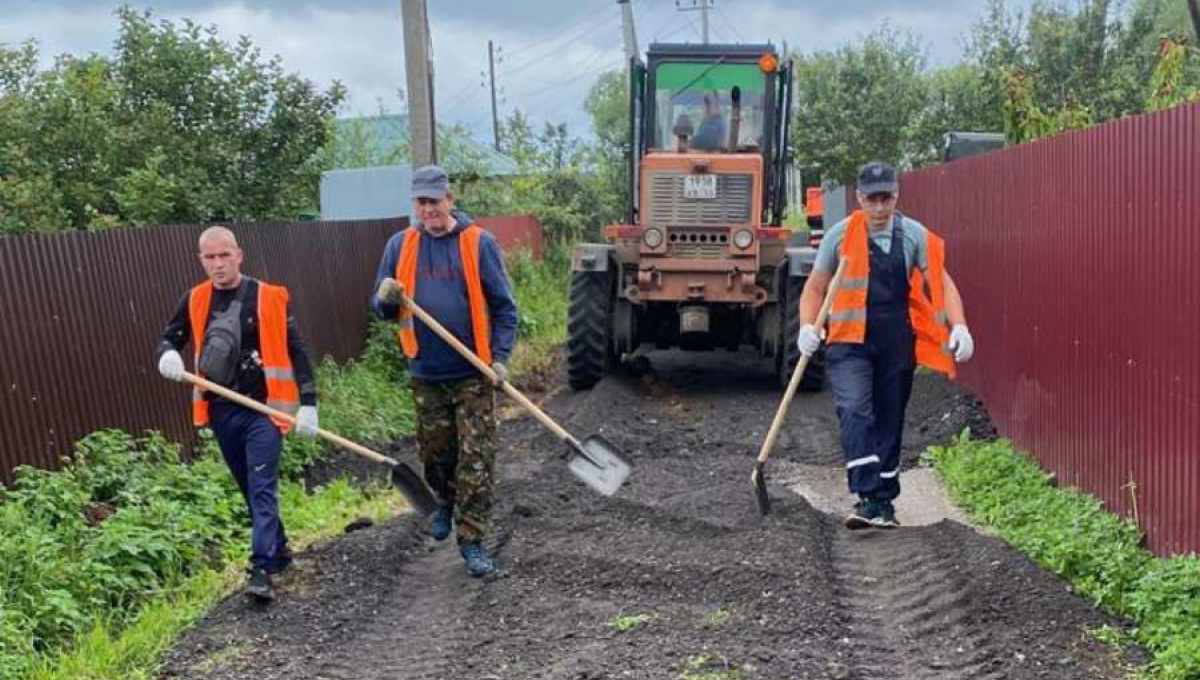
1167,88
1025,121
860,103
1071,534
176,126
624,623
121,520
541,292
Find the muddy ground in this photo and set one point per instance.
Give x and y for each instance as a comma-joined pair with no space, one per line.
677,576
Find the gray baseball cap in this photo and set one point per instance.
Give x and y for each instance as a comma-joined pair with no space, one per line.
430,182
877,178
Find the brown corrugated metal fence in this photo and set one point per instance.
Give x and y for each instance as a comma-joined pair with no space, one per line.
1079,261
80,314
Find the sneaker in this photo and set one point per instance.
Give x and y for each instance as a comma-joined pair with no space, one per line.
887,516
443,522
259,587
865,515
478,562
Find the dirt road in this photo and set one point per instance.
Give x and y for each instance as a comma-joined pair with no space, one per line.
677,577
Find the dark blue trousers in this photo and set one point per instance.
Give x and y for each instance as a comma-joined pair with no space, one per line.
872,381
871,385
251,445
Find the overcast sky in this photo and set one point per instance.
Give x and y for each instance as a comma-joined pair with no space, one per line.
550,50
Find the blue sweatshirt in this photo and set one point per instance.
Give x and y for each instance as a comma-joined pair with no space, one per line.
442,292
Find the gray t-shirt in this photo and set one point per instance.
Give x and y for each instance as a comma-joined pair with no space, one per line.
912,232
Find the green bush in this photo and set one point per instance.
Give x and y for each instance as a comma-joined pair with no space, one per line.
1071,533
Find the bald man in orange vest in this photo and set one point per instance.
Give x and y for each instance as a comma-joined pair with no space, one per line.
246,339
882,324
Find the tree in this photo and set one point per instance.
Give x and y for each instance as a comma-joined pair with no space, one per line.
861,103
176,126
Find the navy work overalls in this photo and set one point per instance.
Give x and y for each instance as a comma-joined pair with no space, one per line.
872,381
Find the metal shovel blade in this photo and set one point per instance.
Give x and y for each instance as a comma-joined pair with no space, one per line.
413,488
758,478
599,464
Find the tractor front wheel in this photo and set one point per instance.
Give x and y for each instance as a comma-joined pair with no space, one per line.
589,328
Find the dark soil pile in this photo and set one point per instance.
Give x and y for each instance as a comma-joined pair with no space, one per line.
676,577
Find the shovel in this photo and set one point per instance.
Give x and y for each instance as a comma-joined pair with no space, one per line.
410,485
758,477
594,461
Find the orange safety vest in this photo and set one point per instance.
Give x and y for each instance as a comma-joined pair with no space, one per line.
283,393
848,316
406,274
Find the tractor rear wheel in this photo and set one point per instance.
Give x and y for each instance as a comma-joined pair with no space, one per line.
789,354
589,328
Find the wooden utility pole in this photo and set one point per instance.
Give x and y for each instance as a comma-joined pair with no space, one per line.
703,6
628,29
495,112
422,128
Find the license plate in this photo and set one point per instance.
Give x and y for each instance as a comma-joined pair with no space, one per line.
700,186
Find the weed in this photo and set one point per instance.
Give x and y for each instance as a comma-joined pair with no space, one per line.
709,668
717,618
625,623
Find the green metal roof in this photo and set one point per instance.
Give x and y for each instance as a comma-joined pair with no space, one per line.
391,131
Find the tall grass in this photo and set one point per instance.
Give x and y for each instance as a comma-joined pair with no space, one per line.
1071,534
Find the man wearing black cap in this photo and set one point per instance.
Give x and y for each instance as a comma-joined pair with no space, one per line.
453,270
897,306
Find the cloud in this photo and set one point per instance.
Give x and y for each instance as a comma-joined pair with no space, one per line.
550,51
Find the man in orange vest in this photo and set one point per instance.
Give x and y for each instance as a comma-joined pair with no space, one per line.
453,270
890,313
246,339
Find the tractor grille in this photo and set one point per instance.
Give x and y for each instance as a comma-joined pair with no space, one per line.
668,207
698,244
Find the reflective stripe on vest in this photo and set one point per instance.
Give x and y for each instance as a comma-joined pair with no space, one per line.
283,393
848,316
406,274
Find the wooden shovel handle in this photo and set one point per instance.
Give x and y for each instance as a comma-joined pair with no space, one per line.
487,371
797,374
249,403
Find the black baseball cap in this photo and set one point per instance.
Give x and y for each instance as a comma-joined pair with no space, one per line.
877,177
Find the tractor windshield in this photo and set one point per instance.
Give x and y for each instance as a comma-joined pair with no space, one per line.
695,103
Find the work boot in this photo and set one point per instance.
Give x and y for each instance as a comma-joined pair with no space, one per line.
887,516
478,562
443,522
259,586
867,512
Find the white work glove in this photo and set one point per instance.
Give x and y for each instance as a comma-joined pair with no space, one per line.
170,365
390,291
501,372
306,421
809,340
961,343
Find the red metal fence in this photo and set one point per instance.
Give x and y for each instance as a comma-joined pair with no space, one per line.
1079,261
80,315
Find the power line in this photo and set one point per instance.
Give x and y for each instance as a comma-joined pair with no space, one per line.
575,25
732,26
555,45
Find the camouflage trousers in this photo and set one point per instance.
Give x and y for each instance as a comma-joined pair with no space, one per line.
456,435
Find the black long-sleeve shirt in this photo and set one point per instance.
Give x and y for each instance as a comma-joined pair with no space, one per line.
250,379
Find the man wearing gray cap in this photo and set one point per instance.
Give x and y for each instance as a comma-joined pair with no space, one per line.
452,269
896,307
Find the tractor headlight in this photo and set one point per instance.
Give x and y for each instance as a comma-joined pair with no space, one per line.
653,238
743,238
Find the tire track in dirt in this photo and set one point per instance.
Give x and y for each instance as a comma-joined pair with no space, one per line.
419,635
898,595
